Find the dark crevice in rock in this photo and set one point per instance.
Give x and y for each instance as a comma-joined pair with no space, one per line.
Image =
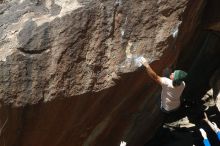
204,65
31,51
111,34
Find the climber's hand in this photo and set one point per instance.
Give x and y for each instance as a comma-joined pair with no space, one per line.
123,143
144,62
204,135
215,127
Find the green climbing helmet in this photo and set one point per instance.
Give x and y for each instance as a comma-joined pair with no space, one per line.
179,75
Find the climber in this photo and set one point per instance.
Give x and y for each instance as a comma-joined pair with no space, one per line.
213,126
205,139
171,88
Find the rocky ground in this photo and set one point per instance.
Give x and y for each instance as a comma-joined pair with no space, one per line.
182,128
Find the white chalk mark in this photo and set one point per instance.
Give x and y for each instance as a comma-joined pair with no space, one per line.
176,30
118,2
67,5
128,50
122,32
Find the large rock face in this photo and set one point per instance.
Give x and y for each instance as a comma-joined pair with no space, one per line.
68,73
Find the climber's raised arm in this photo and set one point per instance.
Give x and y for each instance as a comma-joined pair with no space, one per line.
150,71
172,88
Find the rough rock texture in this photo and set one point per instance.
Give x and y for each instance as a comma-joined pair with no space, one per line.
68,75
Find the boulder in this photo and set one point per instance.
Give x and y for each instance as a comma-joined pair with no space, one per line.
68,74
